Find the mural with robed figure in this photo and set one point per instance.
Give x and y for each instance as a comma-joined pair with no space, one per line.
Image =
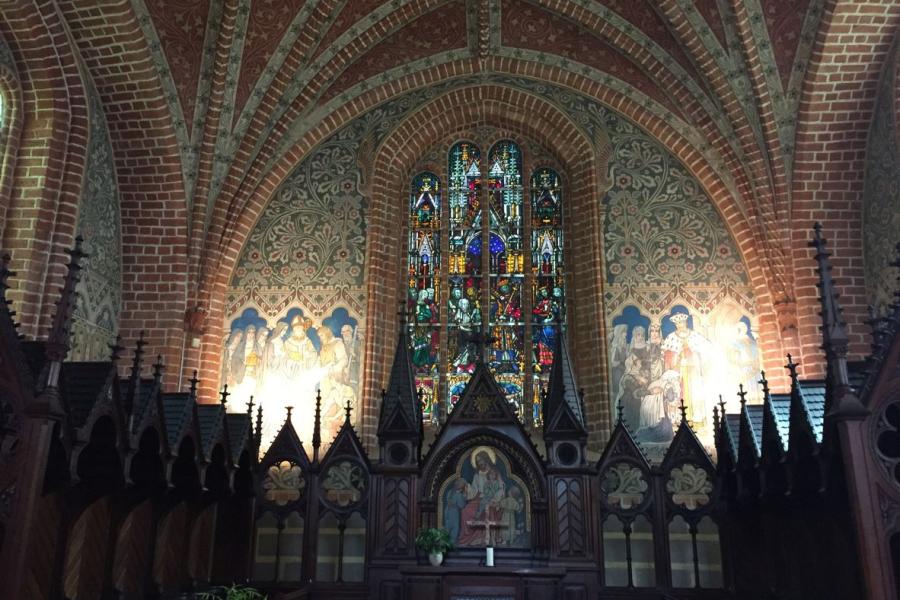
285,361
484,504
655,362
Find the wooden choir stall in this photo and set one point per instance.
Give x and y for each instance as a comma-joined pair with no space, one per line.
113,488
341,524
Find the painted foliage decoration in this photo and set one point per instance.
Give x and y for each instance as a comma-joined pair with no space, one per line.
624,486
680,309
283,483
344,484
667,252
881,196
96,319
483,503
690,486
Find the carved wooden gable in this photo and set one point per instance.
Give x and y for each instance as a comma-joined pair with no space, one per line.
690,473
624,473
345,473
483,475
284,469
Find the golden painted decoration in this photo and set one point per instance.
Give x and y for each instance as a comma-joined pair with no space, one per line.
283,483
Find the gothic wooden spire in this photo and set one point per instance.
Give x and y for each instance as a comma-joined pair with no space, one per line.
257,440
800,422
562,406
748,453
158,369
193,389
5,274
115,350
401,410
770,435
134,380
57,347
843,401
317,427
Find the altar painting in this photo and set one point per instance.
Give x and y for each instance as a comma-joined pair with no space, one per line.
482,503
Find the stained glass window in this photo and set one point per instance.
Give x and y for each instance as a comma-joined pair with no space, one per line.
507,270
464,303
501,272
424,284
548,295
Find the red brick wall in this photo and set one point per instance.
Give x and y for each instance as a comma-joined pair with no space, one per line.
833,124
46,180
154,212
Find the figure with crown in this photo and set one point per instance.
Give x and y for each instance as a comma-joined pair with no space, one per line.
683,353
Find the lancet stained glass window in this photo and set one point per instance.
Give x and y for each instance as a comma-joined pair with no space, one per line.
425,284
547,285
501,272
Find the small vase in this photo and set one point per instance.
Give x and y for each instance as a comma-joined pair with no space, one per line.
436,558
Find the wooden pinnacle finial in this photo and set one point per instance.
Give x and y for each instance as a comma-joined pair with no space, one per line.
765,385
158,368
5,274
116,350
317,426
792,367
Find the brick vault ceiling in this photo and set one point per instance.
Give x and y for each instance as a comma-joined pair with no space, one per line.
228,63
248,82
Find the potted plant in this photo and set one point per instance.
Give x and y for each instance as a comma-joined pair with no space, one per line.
434,541
233,592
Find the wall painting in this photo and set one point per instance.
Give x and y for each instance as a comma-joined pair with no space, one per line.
283,361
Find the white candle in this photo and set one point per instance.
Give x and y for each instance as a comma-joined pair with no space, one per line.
489,557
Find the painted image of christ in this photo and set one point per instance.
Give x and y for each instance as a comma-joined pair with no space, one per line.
482,495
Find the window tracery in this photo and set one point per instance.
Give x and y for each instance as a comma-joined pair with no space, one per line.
488,258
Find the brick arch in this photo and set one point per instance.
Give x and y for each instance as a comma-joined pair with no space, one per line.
47,175
453,115
238,220
760,166
10,134
758,175
832,130
153,205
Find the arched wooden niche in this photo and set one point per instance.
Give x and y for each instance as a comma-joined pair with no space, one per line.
483,502
485,481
